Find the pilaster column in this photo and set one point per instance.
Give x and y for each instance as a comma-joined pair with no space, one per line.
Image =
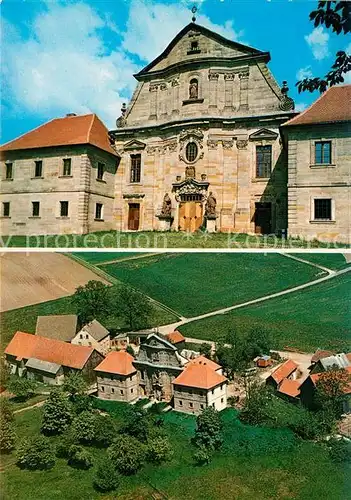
244,89
153,88
175,96
228,89
213,89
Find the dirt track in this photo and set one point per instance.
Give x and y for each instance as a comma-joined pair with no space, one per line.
38,277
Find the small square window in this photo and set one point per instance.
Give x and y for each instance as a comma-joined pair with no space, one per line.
64,208
67,167
35,208
38,170
9,170
202,406
98,211
122,392
100,171
323,209
180,402
322,152
6,209
112,390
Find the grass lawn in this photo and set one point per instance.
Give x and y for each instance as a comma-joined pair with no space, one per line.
25,318
194,284
333,261
154,239
97,258
319,316
254,463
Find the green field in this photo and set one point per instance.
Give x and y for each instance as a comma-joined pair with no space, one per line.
277,466
25,318
194,284
319,316
333,261
97,258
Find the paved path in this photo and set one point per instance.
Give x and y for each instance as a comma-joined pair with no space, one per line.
36,405
313,264
165,329
123,259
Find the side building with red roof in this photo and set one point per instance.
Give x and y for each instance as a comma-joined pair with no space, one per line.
117,377
58,178
319,159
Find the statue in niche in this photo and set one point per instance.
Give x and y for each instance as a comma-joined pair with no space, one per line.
210,207
190,172
166,205
194,89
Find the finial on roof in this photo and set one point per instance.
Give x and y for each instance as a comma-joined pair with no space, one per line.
194,10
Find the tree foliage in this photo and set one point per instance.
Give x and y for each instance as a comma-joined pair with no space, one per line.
75,384
330,389
83,427
57,413
21,387
106,478
206,350
336,16
127,454
79,458
208,432
36,453
105,430
257,405
91,301
202,456
339,450
134,308
159,449
7,429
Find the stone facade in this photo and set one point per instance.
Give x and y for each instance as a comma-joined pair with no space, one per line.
194,400
81,190
117,387
158,363
222,100
309,181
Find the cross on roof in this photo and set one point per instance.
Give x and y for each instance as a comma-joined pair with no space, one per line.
194,10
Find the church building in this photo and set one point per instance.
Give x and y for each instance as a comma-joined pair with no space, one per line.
199,141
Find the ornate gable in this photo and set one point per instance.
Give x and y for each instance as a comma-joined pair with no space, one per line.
263,133
132,145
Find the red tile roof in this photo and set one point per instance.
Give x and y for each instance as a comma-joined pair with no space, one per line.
67,131
200,376
118,362
283,371
332,106
319,354
25,346
175,337
347,390
203,360
290,387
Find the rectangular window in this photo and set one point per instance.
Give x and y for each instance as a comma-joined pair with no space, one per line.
323,209
191,405
180,402
135,168
35,208
102,388
67,167
9,170
100,171
263,161
38,170
131,391
222,400
81,336
98,211
122,392
6,209
64,208
322,152
112,390
202,406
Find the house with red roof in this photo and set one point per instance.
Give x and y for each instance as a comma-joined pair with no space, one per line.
177,339
117,377
59,178
319,156
201,385
286,370
49,360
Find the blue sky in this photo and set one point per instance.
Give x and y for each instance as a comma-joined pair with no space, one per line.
80,56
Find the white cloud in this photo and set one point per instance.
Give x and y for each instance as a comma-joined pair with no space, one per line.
304,73
300,106
68,66
318,41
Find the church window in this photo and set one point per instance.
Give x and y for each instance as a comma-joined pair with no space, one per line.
194,89
263,161
191,151
135,168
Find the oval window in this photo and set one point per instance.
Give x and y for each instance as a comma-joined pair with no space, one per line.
191,151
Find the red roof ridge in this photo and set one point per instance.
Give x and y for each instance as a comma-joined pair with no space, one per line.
200,376
118,362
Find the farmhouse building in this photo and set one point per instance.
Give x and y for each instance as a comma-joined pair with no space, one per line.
287,370
95,335
49,360
58,178
177,339
60,327
117,377
339,361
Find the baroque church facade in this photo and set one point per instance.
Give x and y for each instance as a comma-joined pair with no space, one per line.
199,141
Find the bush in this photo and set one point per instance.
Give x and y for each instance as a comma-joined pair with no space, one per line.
82,402
127,453
202,456
339,450
79,458
35,453
57,414
64,444
159,450
83,427
208,433
7,431
22,388
106,478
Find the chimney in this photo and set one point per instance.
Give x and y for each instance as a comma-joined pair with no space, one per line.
70,114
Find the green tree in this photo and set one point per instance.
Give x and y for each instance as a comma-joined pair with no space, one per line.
21,387
127,453
330,389
136,423
35,453
79,458
4,373
206,350
83,427
134,308
130,350
75,385
339,450
105,430
57,413
202,456
337,16
257,405
208,432
91,301
7,429
257,342
159,449
106,478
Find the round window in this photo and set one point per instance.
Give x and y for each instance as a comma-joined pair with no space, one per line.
191,151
